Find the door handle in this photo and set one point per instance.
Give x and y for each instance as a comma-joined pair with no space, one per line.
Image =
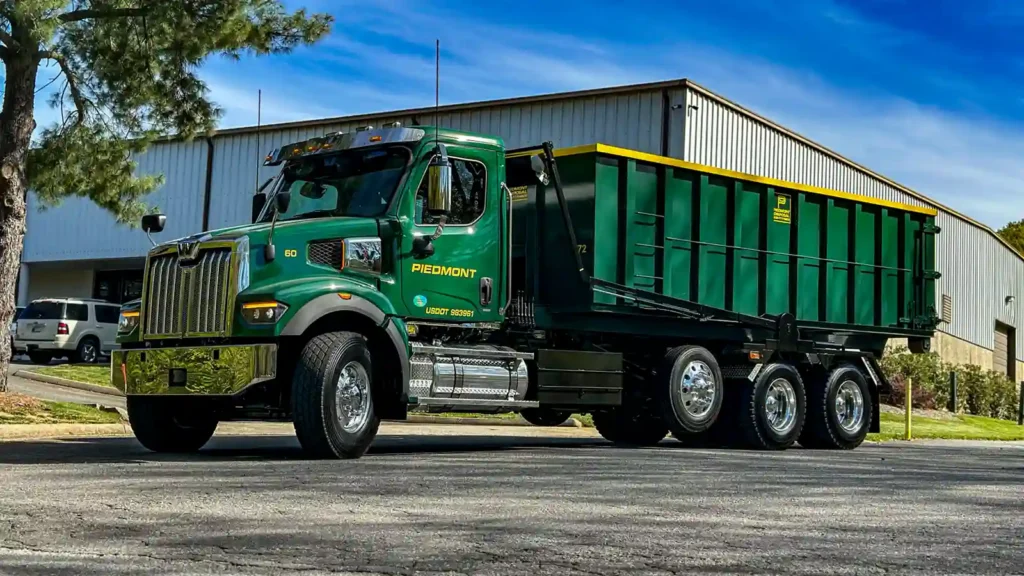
486,291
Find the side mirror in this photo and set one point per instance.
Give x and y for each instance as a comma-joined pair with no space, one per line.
259,201
537,164
153,223
439,183
282,201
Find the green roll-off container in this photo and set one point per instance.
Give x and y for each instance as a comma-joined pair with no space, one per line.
723,240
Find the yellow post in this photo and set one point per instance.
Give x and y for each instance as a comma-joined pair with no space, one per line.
909,408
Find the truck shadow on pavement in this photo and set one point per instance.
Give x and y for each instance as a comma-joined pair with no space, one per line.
262,447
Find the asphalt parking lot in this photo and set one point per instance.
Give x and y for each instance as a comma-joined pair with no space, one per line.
489,504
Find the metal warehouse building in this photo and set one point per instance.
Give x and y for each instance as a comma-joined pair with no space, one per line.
78,250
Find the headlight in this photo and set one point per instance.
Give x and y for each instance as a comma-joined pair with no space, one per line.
263,312
127,321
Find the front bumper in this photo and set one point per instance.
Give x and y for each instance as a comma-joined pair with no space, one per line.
195,371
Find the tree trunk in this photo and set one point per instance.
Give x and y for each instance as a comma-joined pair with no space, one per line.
16,127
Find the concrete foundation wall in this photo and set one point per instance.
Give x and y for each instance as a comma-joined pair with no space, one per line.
957,351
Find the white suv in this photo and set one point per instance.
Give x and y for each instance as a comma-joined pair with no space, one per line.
78,329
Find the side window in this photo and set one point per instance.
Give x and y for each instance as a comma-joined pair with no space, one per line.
78,312
469,188
107,314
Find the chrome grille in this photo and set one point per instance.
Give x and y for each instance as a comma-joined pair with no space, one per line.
194,299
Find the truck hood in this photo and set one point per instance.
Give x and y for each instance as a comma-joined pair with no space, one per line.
289,234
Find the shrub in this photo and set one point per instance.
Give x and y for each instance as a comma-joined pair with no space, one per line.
922,397
929,372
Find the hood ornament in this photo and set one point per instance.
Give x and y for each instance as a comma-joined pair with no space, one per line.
188,251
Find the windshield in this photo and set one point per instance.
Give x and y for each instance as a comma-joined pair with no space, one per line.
352,183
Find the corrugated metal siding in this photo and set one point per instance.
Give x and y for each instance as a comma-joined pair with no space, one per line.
627,120
79,230
978,271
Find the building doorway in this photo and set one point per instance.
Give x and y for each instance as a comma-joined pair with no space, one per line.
1004,358
118,286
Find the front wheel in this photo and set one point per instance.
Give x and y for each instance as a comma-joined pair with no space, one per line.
162,426
332,401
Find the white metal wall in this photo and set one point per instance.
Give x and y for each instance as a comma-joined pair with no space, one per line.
631,120
978,271
80,230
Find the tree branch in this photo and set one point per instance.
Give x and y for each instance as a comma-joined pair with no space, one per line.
76,93
7,39
95,14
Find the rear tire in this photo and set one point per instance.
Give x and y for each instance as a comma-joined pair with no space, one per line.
332,398
41,358
839,410
88,351
691,390
630,427
161,426
545,416
772,409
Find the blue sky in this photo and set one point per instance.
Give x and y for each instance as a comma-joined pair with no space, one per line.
930,94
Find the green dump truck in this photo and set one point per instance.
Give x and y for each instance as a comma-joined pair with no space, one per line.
414,268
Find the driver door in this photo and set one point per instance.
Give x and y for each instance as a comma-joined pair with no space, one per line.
459,282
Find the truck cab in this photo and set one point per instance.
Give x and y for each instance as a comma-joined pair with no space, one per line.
362,239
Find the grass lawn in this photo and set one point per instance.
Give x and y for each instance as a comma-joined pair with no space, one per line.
18,409
962,427
89,373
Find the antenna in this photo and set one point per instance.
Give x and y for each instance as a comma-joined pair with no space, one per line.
259,120
437,83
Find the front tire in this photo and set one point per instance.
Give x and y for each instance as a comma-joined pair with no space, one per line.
332,399
772,409
163,427
839,410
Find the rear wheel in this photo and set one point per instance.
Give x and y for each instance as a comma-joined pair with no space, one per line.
332,401
691,390
88,351
545,416
630,427
772,409
839,410
163,426
40,357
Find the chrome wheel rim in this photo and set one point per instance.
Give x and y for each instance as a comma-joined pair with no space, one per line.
89,353
697,390
352,397
780,406
849,406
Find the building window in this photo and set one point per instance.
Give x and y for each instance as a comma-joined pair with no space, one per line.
469,187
